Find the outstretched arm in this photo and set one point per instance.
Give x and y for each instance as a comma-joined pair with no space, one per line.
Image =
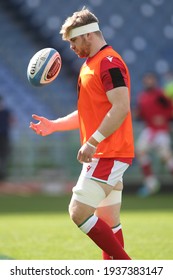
45,126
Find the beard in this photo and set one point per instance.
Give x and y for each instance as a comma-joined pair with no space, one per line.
84,50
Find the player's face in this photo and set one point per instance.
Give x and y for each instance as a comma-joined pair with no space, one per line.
80,46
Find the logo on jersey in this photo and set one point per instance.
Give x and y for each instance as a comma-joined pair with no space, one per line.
110,58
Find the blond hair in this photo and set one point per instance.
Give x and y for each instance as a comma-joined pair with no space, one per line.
79,18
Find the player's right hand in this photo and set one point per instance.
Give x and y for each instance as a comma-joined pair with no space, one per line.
43,127
86,153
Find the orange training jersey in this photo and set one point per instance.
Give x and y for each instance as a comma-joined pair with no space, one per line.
93,105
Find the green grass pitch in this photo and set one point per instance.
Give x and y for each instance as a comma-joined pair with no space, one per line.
38,227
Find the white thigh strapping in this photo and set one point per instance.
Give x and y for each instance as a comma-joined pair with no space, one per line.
115,197
88,191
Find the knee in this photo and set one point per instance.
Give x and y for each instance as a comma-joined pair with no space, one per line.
79,212
75,215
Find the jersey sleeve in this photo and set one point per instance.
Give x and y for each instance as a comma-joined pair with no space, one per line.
113,73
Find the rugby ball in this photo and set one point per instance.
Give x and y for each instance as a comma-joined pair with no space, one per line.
44,67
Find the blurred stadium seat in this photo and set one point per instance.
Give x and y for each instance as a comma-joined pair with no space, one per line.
141,31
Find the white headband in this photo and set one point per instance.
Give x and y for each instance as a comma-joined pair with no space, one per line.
81,30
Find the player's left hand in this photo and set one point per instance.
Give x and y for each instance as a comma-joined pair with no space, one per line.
86,153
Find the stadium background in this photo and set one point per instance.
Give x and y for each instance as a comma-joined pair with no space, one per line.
141,31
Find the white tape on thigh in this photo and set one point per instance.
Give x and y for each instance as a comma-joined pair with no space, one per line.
115,197
88,192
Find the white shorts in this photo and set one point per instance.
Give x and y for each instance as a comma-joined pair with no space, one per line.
105,170
159,140
108,171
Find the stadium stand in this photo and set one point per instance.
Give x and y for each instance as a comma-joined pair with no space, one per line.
141,31
136,30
